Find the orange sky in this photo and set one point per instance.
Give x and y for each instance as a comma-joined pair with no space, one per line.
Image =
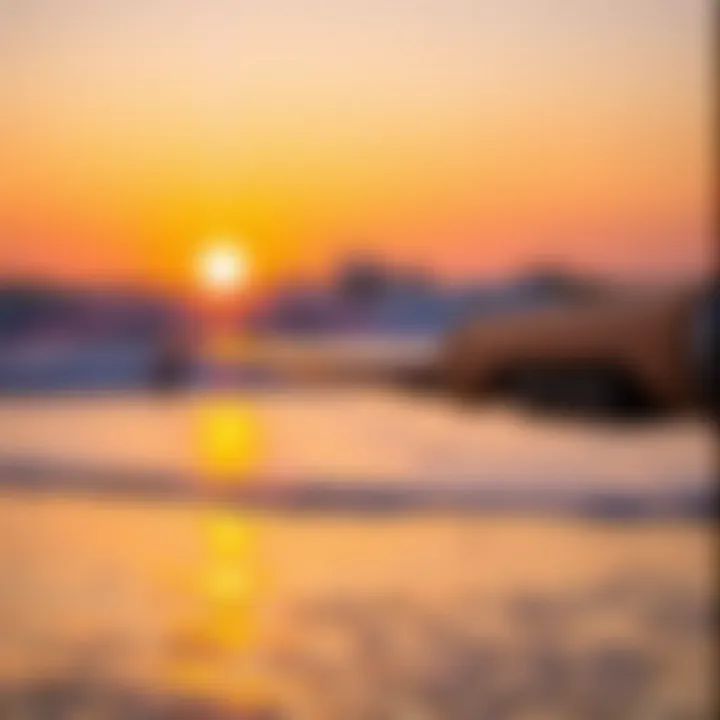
472,136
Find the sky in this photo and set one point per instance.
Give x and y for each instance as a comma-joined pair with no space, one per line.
472,136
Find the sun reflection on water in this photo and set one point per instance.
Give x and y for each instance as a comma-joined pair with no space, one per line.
217,647
228,439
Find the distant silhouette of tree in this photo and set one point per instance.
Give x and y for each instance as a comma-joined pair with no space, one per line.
29,307
362,279
555,282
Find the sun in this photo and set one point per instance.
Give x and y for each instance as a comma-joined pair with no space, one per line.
223,265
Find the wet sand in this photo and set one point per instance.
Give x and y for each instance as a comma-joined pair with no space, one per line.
318,610
340,616
333,435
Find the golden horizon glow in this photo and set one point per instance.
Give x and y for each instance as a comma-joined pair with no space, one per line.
467,137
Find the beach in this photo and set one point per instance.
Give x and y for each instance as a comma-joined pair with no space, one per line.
346,610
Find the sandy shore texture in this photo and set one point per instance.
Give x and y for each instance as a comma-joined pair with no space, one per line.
134,605
335,435
341,616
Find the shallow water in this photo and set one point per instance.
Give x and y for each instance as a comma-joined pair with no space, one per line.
339,616
339,435
129,602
